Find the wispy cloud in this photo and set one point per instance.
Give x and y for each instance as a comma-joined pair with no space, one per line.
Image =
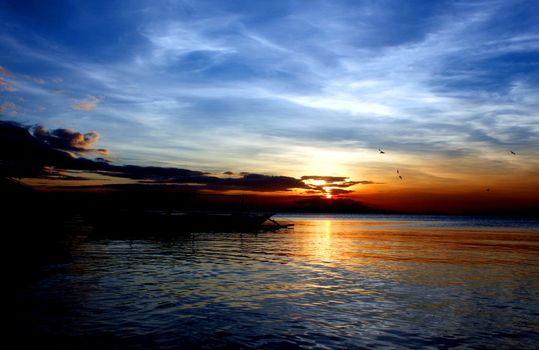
314,86
170,41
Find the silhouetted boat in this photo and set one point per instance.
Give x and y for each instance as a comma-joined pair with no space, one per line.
161,223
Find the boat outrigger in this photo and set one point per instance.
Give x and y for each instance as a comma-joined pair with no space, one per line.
161,223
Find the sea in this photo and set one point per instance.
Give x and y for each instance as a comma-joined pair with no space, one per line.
329,282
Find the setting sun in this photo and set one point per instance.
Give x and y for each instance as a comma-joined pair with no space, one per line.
318,182
224,174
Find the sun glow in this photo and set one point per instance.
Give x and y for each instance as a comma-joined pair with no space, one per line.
318,182
329,195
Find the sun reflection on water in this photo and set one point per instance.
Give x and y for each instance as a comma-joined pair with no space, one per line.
333,281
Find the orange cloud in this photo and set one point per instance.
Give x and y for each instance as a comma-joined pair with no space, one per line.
7,85
70,140
8,108
5,72
103,151
87,105
4,84
331,185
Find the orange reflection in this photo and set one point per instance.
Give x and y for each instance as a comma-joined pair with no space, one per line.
384,248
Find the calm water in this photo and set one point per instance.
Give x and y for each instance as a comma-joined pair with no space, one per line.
331,282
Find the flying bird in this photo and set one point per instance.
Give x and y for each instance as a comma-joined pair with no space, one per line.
398,171
488,190
400,177
382,152
513,153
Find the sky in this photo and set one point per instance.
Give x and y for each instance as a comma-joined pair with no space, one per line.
308,90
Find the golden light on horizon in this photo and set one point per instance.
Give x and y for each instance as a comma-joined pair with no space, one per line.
317,182
328,194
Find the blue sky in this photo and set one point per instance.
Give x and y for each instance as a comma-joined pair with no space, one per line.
283,87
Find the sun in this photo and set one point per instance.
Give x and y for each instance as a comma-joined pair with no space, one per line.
329,195
318,182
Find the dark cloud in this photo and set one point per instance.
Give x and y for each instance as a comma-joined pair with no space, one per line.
338,191
70,140
23,155
158,174
37,155
137,187
26,155
246,182
364,182
258,182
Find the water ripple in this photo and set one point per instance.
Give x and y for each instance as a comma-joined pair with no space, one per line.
327,284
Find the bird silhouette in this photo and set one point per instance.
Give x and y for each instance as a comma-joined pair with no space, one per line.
382,152
398,171
488,190
400,177
513,153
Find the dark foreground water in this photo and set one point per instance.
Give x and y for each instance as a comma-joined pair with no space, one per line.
331,282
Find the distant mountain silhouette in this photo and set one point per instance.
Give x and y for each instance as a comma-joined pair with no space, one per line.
11,186
338,205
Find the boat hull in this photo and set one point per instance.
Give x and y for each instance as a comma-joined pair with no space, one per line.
166,224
